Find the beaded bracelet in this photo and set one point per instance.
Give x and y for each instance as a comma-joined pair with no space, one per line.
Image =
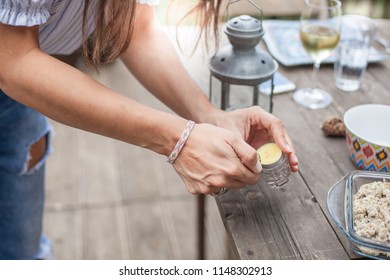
179,145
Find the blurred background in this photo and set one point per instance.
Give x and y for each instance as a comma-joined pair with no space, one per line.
289,8
109,200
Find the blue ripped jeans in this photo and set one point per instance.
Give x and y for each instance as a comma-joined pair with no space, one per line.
21,190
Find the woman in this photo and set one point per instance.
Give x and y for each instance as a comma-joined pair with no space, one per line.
218,152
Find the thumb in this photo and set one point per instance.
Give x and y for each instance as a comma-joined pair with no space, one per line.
247,154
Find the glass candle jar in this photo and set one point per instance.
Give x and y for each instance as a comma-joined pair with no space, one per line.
276,169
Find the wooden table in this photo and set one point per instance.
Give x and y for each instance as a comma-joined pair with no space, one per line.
293,223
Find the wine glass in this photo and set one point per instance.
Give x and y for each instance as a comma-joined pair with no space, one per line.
320,26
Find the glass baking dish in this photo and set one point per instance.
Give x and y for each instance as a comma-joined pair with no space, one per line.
341,211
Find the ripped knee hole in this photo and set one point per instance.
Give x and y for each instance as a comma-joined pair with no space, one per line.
37,152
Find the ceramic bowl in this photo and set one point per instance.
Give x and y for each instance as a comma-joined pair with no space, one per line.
368,136
341,209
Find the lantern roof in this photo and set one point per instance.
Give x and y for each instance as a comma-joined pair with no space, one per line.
243,61
251,67
244,25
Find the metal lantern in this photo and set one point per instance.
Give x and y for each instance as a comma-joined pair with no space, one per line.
242,66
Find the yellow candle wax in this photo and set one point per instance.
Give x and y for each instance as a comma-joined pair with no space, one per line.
269,153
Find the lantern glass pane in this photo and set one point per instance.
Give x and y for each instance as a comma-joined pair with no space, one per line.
241,96
231,97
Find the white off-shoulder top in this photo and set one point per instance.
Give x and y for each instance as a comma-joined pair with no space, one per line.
60,21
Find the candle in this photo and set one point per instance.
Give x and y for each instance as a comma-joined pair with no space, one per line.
276,169
269,153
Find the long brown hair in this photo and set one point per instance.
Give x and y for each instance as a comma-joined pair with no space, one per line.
207,17
114,27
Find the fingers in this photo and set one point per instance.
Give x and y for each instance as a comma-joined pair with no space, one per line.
284,142
280,136
247,156
292,157
199,188
276,128
196,188
293,160
235,175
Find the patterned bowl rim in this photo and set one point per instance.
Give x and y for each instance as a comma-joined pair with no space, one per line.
361,139
348,129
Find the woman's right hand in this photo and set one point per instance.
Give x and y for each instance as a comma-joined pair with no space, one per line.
213,158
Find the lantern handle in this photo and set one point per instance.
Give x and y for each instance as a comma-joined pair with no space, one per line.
250,1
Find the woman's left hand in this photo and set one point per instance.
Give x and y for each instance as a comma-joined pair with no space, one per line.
258,127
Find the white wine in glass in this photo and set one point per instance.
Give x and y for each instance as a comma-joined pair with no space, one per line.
320,34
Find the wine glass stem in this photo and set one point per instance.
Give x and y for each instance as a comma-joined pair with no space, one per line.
316,68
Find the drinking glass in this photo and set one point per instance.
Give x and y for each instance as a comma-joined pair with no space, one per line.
320,26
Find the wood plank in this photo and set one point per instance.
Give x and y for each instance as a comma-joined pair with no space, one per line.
249,239
82,168
170,185
137,176
61,170
183,224
102,233
63,230
271,224
148,238
312,148
218,243
97,167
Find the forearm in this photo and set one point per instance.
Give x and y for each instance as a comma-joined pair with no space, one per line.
71,97
153,60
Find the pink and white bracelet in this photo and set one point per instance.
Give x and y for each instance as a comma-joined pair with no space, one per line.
180,144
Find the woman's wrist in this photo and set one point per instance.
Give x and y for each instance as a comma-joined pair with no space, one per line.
166,135
210,115
181,142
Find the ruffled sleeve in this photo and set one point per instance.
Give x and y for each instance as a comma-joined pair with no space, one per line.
24,12
149,2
